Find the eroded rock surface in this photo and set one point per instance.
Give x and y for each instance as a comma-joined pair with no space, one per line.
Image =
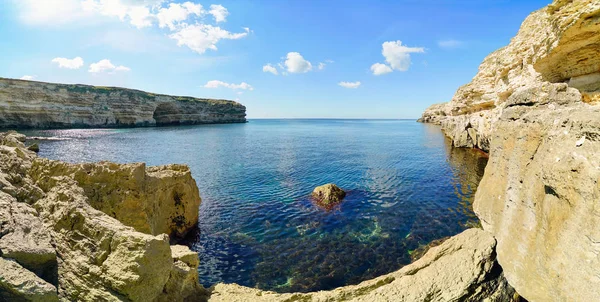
29,104
463,268
328,194
534,106
59,238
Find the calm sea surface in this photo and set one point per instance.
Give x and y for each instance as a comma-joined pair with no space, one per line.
258,226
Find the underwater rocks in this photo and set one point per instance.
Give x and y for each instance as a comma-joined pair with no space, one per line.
59,238
29,104
463,268
534,105
328,194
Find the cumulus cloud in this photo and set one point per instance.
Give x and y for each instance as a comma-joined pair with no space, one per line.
185,20
379,69
217,84
74,63
200,37
396,55
295,63
170,17
449,44
349,84
28,77
270,68
219,12
106,66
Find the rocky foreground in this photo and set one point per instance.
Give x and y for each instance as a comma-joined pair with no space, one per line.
101,232
29,104
535,106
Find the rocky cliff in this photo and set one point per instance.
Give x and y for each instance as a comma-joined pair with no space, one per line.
94,232
28,104
535,106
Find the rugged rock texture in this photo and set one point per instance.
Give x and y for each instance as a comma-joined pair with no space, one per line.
540,198
534,106
59,241
152,200
463,268
328,194
19,284
557,44
28,104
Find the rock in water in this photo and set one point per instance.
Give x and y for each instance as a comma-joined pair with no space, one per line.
328,194
35,148
463,268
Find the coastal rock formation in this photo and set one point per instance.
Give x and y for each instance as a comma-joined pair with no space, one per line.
153,200
463,268
557,45
534,105
28,104
328,194
59,241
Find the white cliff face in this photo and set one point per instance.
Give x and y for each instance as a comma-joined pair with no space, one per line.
557,44
534,105
28,104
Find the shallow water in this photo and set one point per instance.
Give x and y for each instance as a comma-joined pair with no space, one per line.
258,226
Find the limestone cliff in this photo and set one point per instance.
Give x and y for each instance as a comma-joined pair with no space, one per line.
554,56
534,105
61,238
29,104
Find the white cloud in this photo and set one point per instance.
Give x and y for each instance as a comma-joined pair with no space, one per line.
270,68
217,84
449,44
36,12
176,13
295,63
321,65
28,77
137,12
396,55
74,63
200,37
106,66
219,12
349,84
379,69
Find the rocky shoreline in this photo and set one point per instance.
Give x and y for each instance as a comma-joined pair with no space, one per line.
534,106
101,231
29,104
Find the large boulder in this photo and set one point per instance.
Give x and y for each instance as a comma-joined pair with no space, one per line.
153,200
328,194
463,268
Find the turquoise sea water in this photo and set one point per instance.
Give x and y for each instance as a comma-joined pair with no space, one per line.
258,225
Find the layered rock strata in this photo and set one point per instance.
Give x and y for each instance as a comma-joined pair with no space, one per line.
61,238
29,104
534,105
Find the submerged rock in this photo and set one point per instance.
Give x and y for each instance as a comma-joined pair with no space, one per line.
328,194
463,268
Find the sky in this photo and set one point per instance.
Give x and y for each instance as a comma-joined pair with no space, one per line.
281,59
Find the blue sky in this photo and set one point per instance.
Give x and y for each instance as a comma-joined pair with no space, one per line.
333,59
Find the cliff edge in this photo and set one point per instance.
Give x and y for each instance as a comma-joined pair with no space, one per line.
29,104
534,106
